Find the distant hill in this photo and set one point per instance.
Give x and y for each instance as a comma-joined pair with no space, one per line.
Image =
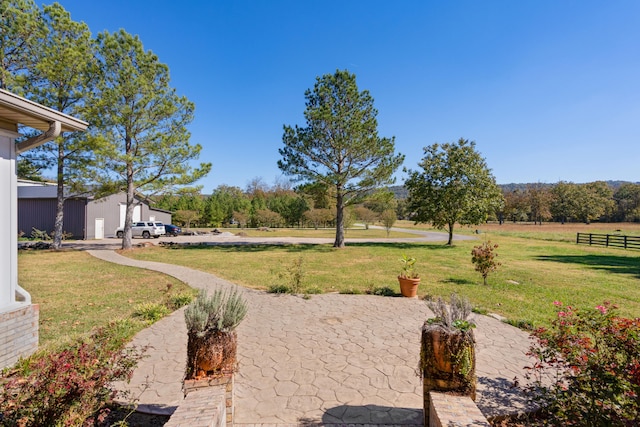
401,192
513,186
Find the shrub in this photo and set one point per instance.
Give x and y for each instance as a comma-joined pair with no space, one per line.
212,340
384,291
520,324
480,310
221,312
68,386
291,278
279,289
454,315
484,257
180,300
151,312
39,234
595,356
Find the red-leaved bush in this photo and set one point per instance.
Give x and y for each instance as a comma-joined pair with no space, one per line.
67,387
591,361
484,258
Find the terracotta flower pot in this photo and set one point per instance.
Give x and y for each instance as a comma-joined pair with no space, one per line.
408,287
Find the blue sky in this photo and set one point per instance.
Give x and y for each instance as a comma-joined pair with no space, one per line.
549,90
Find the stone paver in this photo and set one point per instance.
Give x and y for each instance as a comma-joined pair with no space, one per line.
331,359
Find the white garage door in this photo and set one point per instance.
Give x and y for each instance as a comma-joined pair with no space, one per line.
123,213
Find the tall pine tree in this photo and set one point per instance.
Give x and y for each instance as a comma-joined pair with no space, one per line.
143,124
339,147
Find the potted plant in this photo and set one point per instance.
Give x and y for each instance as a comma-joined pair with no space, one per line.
447,350
212,340
408,278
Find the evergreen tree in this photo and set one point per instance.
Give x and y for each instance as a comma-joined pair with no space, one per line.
63,78
339,146
143,122
21,31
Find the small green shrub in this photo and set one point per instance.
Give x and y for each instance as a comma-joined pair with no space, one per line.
180,300
279,289
408,267
383,291
221,312
291,277
39,234
480,310
313,290
150,312
523,324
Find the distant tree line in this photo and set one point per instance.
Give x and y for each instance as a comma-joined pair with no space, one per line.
261,205
280,205
569,202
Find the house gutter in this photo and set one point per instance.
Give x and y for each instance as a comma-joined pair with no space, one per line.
55,128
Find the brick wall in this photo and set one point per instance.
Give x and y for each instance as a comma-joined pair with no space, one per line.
208,402
18,334
447,410
201,408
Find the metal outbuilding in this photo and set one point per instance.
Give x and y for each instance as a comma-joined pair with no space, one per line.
85,217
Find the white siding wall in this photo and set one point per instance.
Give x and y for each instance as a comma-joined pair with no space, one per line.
8,218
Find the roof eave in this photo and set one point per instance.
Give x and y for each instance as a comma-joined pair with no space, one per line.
28,113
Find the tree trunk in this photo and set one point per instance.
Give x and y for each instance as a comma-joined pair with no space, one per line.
339,242
450,241
128,217
447,362
58,227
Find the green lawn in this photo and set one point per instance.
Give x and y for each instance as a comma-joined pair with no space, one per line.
534,272
77,292
547,231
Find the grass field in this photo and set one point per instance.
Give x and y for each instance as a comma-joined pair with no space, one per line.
540,264
538,267
547,231
77,292
329,233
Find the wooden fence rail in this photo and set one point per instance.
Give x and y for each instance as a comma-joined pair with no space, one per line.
609,240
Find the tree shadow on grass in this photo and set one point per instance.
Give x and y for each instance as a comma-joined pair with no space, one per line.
435,246
458,281
610,263
248,247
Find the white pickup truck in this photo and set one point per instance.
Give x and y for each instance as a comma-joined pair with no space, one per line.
144,229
